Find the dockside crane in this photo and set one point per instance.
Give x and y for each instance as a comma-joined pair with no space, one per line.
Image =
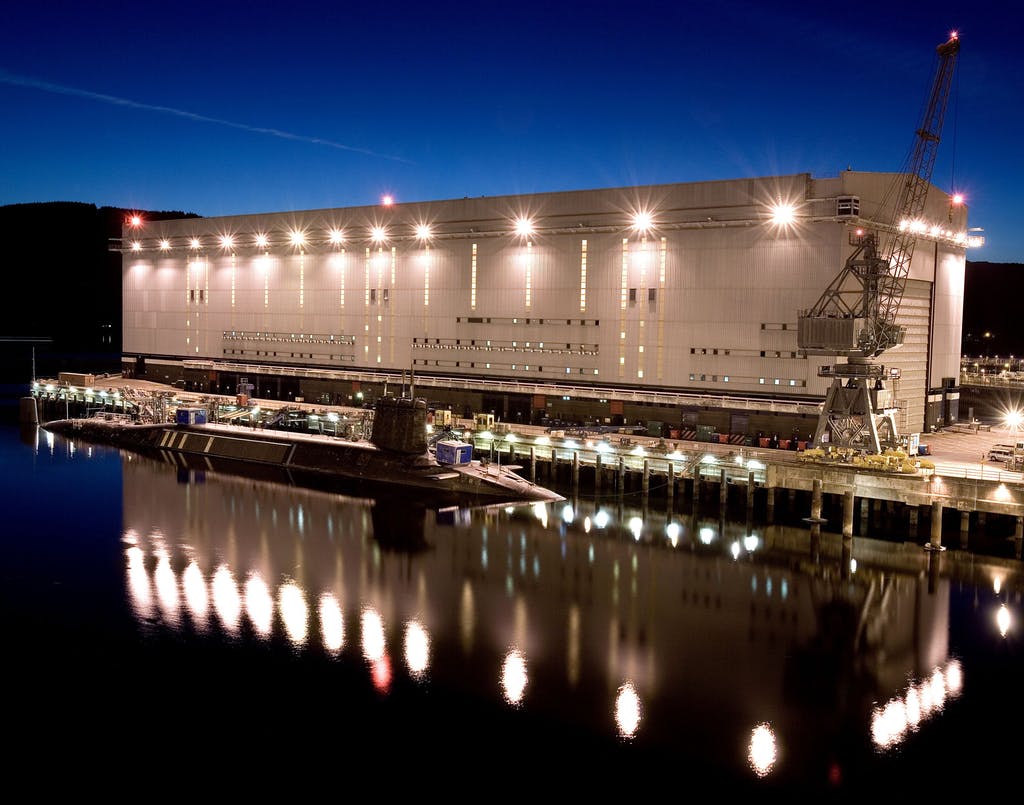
855,317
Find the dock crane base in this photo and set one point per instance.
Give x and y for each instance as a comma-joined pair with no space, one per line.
850,417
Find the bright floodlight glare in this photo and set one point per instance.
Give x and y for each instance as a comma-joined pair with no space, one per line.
227,241
298,238
423,232
783,214
958,199
1014,419
135,220
642,222
378,234
337,236
165,244
524,227
194,243
387,200
261,240
136,246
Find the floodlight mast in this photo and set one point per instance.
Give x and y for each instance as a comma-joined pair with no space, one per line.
855,317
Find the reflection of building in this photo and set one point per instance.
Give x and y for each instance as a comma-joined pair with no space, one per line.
612,625
675,302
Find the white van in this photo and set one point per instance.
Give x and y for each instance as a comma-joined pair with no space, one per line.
1000,452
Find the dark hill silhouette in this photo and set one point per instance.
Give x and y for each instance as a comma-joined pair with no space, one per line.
64,284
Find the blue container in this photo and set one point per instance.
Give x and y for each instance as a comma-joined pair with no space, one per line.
449,451
190,416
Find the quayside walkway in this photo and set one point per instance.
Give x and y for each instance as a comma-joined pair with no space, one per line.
954,477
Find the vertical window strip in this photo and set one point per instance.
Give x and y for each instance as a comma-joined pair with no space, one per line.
625,273
426,279
394,264
366,294
233,267
341,278
641,291
529,266
266,282
662,263
623,292
472,281
583,276
302,279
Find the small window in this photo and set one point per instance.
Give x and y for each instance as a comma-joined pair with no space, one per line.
632,296
373,296
387,292
652,294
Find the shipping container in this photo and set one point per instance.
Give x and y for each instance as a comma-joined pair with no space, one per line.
450,452
190,416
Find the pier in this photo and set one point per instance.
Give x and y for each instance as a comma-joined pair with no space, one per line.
949,500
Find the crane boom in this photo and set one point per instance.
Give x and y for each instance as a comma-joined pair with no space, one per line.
855,317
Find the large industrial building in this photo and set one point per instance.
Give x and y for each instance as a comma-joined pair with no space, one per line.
673,303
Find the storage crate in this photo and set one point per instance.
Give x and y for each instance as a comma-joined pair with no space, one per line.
450,452
190,416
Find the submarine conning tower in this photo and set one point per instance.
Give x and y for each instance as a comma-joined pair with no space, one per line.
400,425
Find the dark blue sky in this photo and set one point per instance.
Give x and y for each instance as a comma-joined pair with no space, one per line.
229,108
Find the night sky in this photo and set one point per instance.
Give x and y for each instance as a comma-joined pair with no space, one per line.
231,108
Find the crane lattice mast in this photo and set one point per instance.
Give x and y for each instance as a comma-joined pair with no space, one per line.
856,315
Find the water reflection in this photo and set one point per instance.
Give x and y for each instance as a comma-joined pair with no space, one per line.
657,629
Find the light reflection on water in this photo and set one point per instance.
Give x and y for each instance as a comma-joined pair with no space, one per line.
662,630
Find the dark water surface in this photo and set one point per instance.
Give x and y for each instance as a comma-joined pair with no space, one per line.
179,628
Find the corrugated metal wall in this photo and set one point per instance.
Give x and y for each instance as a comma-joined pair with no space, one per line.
708,300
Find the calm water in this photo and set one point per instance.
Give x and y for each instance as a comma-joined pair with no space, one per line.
164,624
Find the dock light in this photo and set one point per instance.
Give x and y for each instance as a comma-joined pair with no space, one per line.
524,227
511,438
194,243
136,246
707,535
261,241
750,543
642,222
603,447
570,443
567,513
601,519
378,234
638,450
486,435
782,214
423,232
297,238
165,244
709,459
542,440
226,241
336,237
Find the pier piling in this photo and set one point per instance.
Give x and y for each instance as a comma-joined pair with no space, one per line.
935,541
